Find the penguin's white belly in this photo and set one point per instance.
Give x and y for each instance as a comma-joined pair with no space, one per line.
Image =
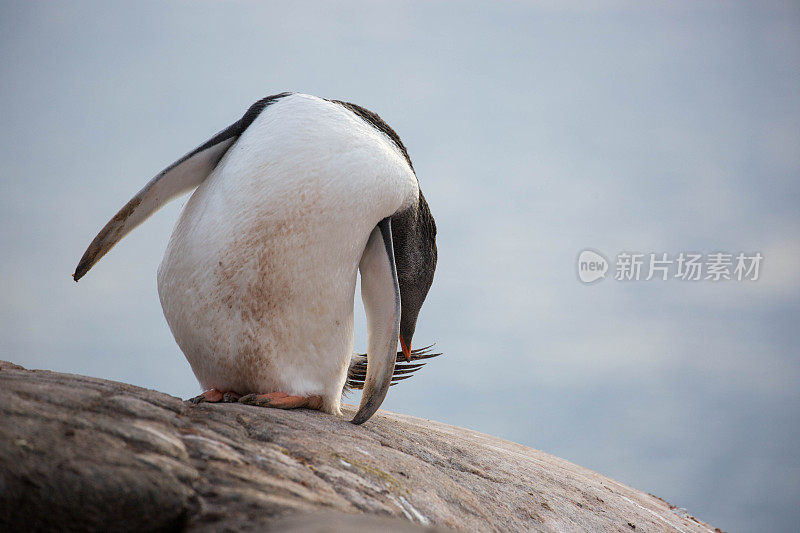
258,280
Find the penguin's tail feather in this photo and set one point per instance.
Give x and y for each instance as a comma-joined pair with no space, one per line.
403,369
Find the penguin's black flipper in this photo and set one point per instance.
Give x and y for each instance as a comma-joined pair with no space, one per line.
402,369
181,176
380,291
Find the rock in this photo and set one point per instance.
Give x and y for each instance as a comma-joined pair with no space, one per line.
80,453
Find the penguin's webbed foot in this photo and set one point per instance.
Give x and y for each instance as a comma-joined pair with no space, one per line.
216,396
281,400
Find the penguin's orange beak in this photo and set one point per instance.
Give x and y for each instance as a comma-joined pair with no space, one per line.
406,348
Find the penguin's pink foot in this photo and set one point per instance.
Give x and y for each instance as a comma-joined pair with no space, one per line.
281,400
215,396
231,397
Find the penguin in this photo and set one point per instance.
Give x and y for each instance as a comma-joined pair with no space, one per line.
257,284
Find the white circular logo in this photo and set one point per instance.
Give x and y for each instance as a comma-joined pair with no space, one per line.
591,266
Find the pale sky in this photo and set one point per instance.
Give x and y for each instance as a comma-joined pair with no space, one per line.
537,131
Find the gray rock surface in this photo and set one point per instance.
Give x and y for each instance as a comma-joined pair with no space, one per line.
80,453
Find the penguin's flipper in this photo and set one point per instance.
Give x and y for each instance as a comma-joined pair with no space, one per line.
380,291
181,176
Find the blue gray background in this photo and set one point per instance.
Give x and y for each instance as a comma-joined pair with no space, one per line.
537,130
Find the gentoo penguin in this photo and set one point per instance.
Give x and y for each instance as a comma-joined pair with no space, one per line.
258,280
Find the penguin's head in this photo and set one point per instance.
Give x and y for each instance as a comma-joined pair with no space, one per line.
414,234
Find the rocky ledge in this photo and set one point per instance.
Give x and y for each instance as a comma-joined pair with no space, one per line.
80,453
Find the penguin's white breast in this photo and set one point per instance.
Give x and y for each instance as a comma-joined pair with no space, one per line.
260,271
